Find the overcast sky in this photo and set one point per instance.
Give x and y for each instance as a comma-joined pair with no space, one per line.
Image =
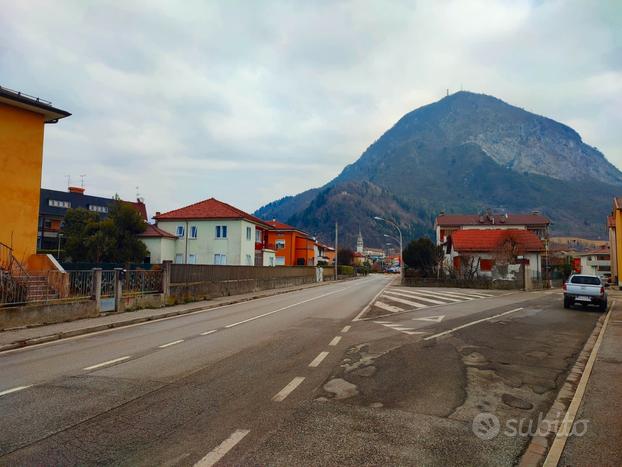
249,101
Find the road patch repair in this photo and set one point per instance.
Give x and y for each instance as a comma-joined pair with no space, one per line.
466,398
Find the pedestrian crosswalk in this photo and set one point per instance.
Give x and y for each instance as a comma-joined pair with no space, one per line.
398,299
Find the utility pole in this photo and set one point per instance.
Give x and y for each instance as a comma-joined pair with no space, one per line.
336,248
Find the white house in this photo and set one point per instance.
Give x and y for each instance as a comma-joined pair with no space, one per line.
495,253
209,232
596,262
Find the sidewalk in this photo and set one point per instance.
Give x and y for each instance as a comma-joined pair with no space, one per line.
602,403
12,339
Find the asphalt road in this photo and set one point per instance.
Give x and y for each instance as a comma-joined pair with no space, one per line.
292,379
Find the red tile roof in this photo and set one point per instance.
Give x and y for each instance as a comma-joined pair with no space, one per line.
486,240
153,231
209,209
446,220
139,206
276,225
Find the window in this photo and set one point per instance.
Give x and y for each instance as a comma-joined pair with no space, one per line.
59,204
249,260
47,224
179,258
95,208
221,231
249,232
220,259
280,261
192,259
485,264
194,231
271,260
587,280
181,231
258,238
280,244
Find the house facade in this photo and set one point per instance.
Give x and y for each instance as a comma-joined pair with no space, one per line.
495,253
293,247
446,224
53,205
209,232
22,121
596,262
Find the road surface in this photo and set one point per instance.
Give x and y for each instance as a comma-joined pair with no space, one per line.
348,373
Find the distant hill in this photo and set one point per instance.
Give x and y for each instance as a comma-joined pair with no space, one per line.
464,153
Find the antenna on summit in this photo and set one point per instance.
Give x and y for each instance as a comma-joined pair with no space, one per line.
68,177
82,180
447,91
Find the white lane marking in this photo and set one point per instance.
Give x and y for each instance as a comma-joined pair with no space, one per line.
335,341
163,346
387,307
208,332
431,294
317,360
450,295
466,294
109,362
284,308
406,302
417,297
440,334
18,388
283,393
346,328
399,327
565,430
435,319
222,449
369,305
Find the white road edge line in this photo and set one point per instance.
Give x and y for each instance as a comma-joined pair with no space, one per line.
317,360
18,388
109,362
369,305
222,449
346,328
444,333
163,346
285,308
559,442
208,332
286,391
335,341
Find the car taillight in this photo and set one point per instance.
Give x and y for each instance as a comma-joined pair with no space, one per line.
564,286
602,291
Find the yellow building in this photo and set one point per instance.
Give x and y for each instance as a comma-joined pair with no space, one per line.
22,119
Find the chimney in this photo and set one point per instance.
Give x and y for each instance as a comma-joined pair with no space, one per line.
76,189
157,213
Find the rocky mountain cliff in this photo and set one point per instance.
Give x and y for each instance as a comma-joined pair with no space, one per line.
464,153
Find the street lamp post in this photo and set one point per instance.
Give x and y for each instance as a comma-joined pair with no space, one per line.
401,246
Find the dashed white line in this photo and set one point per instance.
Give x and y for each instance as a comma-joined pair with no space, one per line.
208,332
284,308
335,341
346,328
317,360
163,346
440,334
283,393
109,362
387,307
18,388
222,449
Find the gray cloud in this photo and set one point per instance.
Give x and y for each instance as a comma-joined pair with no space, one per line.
250,101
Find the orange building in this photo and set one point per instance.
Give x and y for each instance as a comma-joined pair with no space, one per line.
22,119
293,246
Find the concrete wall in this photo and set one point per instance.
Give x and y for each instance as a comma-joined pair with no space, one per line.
50,313
160,249
21,157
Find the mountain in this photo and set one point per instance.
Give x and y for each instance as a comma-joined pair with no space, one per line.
465,153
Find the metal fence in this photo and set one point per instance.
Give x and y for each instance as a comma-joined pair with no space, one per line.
142,282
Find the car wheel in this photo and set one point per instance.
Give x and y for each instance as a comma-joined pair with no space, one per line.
603,306
567,303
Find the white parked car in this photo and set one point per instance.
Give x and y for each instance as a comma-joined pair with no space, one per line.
585,290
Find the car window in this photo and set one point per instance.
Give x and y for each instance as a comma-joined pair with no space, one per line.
585,280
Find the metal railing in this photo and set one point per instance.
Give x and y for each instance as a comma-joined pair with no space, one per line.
142,282
107,287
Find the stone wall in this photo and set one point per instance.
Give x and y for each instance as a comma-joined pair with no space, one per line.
46,313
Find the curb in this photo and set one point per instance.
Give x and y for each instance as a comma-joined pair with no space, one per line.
119,324
538,447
